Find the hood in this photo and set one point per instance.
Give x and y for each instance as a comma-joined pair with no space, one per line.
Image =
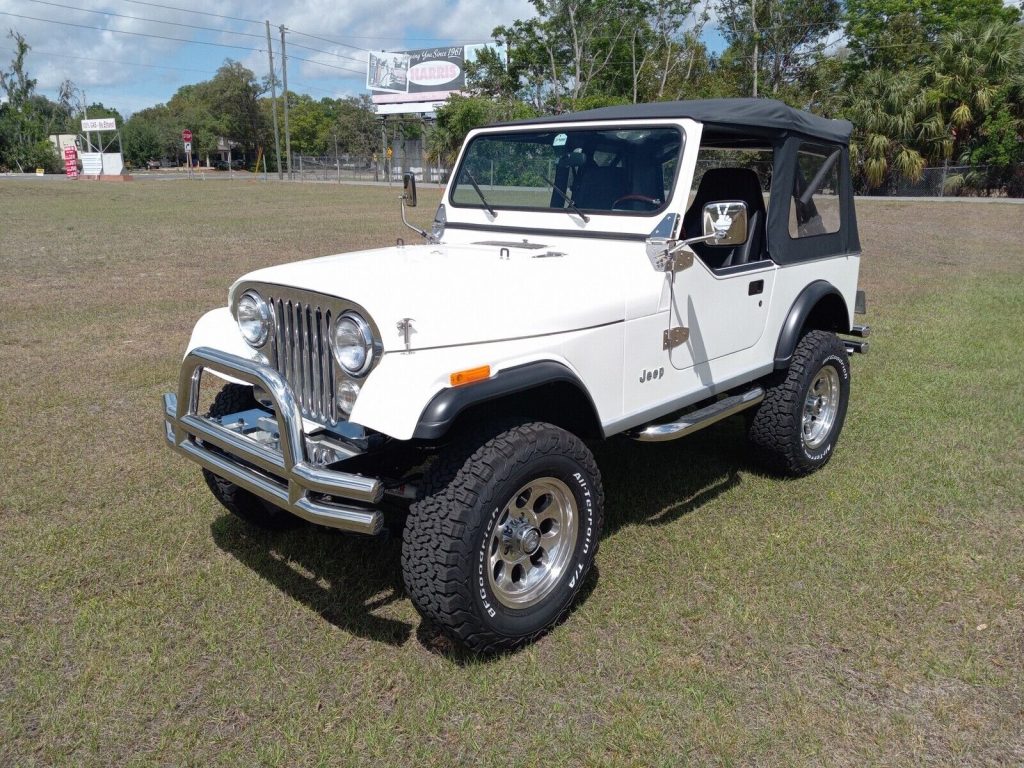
467,294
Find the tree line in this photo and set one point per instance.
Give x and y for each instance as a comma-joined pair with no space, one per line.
924,82
231,109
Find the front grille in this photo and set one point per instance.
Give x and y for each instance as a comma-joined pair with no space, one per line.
302,354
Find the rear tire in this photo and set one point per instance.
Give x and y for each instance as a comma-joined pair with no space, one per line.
797,425
238,501
497,557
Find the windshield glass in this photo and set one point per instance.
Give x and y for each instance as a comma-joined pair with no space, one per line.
632,170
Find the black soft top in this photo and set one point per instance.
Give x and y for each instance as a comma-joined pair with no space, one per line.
763,115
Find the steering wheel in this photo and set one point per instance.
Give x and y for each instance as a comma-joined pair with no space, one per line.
640,198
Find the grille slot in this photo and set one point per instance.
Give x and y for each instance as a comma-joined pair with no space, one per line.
302,354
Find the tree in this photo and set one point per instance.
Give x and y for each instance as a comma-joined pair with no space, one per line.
666,52
968,69
356,123
775,41
895,34
153,133
192,107
26,119
885,112
460,115
310,123
232,100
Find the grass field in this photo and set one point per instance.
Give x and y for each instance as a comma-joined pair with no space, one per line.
872,614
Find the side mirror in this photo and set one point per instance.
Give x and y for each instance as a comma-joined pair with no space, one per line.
725,222
409,189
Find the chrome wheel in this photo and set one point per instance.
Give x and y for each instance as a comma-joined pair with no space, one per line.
532,542
820,407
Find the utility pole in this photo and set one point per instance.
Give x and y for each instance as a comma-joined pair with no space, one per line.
284,79
273,104
753,21
85,116
337,162
384,148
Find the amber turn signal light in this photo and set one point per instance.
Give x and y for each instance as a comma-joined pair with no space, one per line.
470,375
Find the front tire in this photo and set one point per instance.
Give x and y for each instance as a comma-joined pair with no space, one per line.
234,398
797,425
497,557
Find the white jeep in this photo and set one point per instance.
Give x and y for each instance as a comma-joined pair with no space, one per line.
641,271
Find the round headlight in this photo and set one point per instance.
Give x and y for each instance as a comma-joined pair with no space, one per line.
353,344
253,317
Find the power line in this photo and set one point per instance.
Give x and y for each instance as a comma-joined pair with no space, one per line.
136,34
189,26
144,18
389,37
329,53
113,61
191,10
329,66
325,40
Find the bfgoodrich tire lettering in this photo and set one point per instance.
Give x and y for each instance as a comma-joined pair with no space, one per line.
504,493
797,425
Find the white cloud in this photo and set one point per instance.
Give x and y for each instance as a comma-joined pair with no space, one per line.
83,54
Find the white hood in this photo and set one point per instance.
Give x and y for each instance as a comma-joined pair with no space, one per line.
466,294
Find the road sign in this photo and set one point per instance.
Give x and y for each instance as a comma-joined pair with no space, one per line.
186,135
390,152
188,146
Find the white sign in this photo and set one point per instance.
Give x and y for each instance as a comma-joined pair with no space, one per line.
92,163
188,146
434,73
102,124
101,164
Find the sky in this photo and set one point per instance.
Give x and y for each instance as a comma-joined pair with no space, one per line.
122,53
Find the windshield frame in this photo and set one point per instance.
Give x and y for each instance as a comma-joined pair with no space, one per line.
568,129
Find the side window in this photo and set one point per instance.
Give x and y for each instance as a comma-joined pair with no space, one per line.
815,208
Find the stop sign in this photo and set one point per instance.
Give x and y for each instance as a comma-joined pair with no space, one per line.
186,135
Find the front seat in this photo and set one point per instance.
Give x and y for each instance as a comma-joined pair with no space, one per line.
728,184
598,187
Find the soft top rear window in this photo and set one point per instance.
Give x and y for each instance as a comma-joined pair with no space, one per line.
620,171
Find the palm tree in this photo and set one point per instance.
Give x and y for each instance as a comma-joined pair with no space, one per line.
962,80
886,110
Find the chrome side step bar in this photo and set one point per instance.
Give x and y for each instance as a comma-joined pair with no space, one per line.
697,420
858,347
863,331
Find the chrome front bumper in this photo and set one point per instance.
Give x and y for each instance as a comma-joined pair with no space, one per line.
282,476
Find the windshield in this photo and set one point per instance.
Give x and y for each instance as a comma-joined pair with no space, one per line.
631,170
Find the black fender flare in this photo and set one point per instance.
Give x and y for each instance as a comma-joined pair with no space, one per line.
799,313
444,408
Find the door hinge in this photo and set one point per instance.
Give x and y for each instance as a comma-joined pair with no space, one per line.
673,337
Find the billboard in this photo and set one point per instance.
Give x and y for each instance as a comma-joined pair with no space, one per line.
418,80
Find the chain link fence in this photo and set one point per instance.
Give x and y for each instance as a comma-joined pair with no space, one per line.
350,168
964,181
939,181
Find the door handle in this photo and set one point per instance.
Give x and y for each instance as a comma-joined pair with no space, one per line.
755,287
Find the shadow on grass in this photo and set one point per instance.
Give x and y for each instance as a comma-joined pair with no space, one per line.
656,484
344,578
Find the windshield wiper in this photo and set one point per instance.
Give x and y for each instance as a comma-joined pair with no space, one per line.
568,202
480,194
